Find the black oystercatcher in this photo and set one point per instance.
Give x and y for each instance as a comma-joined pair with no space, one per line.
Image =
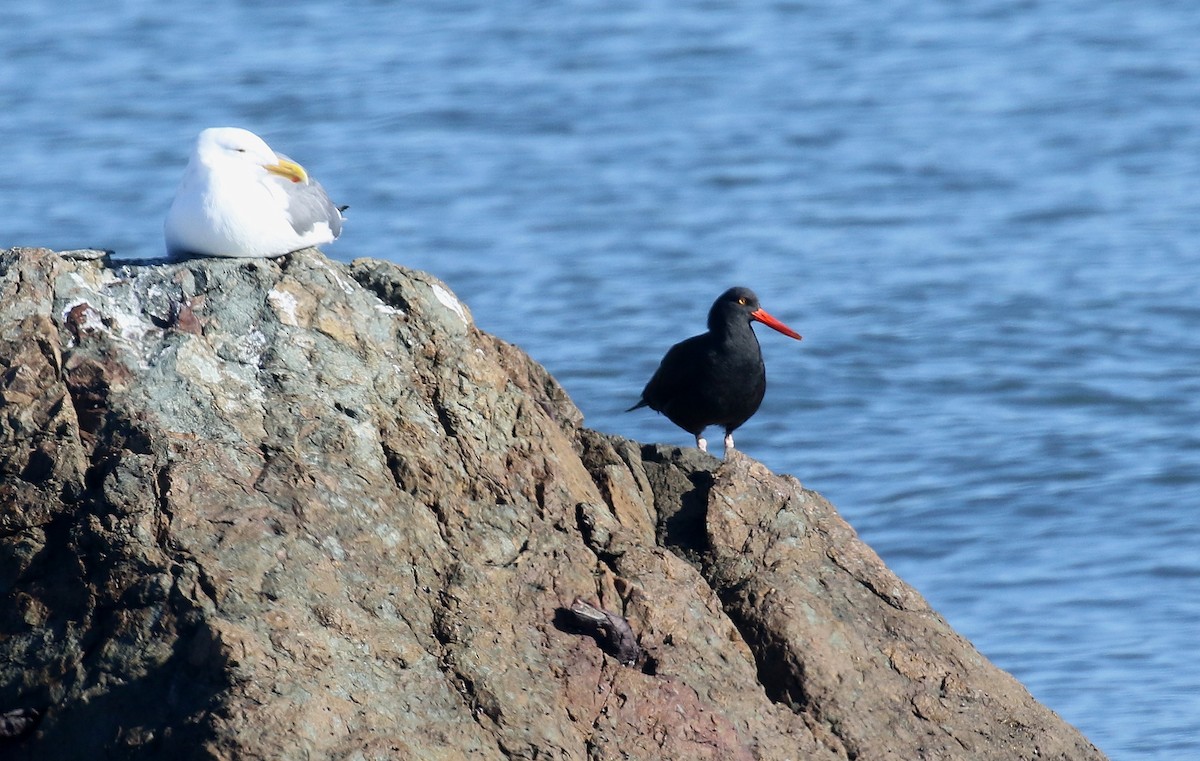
718,377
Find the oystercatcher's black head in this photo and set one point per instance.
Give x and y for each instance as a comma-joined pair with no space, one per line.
738,304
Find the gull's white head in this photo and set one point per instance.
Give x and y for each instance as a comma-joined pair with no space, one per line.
234,144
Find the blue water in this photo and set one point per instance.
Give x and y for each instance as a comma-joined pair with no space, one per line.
985,220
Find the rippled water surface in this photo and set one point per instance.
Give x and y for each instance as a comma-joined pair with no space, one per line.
982,216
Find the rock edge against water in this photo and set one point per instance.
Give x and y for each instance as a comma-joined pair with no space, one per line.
297,509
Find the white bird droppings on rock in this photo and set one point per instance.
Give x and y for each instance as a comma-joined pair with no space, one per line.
285,306
450,302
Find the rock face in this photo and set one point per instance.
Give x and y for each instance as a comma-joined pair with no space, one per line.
297,509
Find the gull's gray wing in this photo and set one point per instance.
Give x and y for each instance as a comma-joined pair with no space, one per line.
309,205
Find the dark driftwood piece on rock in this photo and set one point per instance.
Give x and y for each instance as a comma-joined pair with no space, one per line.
613,632
297,509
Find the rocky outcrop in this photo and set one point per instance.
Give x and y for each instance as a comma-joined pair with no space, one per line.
296,509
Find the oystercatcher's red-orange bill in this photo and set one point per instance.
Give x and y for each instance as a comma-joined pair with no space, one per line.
761,316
